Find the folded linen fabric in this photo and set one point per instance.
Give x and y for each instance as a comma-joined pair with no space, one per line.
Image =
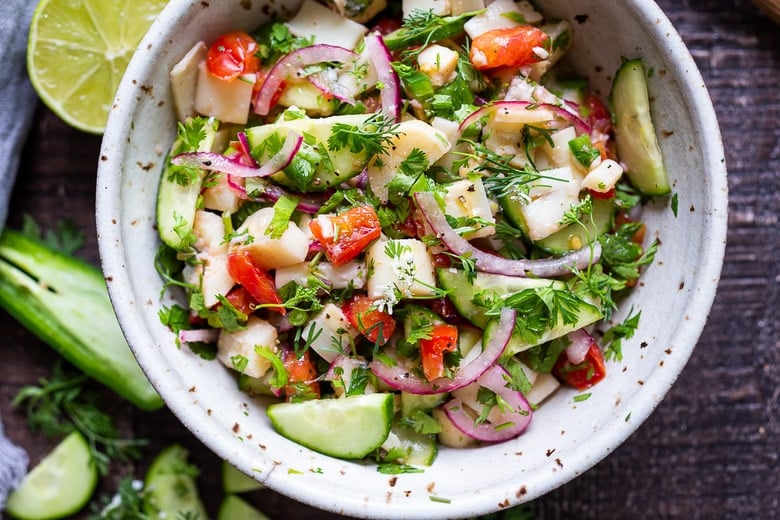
17,103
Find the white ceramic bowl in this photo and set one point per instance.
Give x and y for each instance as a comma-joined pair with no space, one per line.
565,438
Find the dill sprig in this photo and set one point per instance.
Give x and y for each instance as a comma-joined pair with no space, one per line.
373,136
502,179
65,403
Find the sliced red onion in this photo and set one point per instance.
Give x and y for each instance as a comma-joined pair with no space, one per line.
292,65
235,168
567,116
390,86
579,345
272,192
490,263
198,336
246,150
402,378
507,424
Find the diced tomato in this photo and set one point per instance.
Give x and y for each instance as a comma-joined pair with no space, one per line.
255,280
232,55
602,194
362,313
585,374
241,300
345,236
510,47
301,374
444,338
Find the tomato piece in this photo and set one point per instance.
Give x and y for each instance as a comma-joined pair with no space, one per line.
604,195
255,280
510,47
232,55
241,300
585,374
362,313
346,235
301,374
444,338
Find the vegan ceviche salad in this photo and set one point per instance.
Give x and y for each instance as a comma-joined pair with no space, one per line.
404,222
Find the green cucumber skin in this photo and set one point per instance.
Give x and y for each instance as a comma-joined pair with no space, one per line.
170,487
64,302
565,240
41,506
635,137
311,434
462,293
345,164
235,508
174,199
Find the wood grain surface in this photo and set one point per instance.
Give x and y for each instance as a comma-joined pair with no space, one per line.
711,448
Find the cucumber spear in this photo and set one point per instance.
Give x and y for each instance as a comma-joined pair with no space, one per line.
64,301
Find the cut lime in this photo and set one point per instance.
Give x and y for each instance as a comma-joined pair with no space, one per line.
234,481
78,51
348,428
60,485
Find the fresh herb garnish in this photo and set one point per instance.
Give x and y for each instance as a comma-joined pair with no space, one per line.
613,338
372,137
65,403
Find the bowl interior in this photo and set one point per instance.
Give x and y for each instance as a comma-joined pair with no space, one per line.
566,437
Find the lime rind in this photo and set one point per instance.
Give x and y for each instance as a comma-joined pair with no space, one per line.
78,51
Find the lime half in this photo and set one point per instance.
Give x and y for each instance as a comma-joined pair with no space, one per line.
78,50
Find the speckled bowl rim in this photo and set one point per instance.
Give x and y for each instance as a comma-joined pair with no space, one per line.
609,434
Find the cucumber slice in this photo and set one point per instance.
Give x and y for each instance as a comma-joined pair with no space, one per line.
462,292
347,428
235,481
59,486
406,446
635,137
170,486
330,169
176,203
411,403
575,236
234,508
462,296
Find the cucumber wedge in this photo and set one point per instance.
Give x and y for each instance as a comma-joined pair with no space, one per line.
177,202
234,508
59,486
637,143
234,481
462,292
576,236
406,446
170,486
330,167
347,428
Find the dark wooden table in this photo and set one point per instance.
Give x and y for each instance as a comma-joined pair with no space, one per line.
709,451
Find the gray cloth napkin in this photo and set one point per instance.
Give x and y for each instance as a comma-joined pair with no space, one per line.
17,102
